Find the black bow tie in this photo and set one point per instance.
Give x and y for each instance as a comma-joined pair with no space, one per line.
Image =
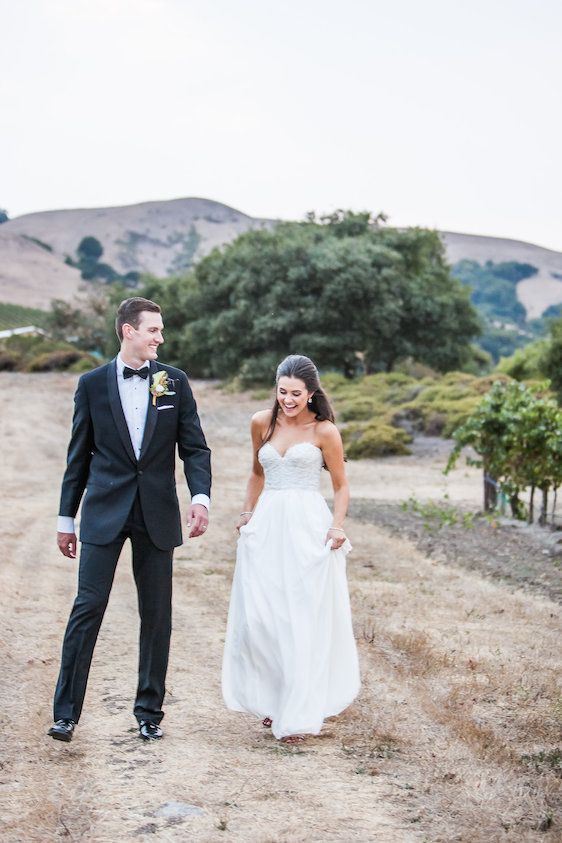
129,373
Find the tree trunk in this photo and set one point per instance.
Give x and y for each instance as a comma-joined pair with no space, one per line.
554,499
531,517
490,493
544,507
516,508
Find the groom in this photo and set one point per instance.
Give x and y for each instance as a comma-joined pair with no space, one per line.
129,415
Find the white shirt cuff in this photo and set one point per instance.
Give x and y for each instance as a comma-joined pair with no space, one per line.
65,524
202,499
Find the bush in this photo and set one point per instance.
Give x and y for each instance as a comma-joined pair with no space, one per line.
51,361
84,364
446,403
359,409
415,369
434,406
8,361
526,363
374,439
25,344
42,354
382,413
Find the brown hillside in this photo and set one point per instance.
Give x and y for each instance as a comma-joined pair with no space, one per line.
536,293
164,238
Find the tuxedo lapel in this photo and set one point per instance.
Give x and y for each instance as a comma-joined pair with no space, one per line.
117,410
151,416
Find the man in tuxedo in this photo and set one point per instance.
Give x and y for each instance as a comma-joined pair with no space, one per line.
129,415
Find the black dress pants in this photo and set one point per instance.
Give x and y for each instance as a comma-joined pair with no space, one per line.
152,569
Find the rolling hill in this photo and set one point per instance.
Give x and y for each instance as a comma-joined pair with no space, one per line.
535,293
167,237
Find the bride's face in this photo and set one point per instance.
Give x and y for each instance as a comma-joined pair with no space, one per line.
292,396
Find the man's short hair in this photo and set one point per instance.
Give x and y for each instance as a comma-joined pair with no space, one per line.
130,310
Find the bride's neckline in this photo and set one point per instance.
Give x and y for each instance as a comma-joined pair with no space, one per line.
294,445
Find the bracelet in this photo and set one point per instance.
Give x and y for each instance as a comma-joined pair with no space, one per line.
338,529
251,512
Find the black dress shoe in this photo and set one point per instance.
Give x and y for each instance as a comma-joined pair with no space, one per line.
62,730
149,731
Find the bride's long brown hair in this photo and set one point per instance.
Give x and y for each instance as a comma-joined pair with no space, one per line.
301,367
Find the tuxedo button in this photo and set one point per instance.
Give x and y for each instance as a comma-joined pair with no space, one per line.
139,473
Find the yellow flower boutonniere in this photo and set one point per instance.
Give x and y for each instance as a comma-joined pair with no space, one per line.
160,386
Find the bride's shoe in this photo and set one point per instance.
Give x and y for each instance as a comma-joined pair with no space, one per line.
293,739
267,722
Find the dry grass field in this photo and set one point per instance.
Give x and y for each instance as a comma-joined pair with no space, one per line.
454,737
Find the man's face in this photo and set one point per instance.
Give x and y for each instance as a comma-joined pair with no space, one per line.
142,342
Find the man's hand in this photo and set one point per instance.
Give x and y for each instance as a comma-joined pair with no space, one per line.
198,520
67,544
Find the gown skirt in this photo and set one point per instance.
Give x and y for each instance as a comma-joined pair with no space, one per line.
290,653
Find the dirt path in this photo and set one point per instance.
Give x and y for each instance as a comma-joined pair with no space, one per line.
453,737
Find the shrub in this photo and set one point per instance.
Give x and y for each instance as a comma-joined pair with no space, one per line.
374,439
51,361
84,364
359,409
42,354
447,403
8,361
526,363
25,344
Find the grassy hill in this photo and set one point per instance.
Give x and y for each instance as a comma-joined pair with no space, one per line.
19,316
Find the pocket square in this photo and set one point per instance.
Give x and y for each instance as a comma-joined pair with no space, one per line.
166,407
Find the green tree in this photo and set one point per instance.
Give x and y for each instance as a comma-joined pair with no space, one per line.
89,249
3,216
88,323
91,268
352,294
526,363
516,432
177,296
553,357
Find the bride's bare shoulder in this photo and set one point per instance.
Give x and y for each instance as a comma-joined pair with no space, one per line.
327,428
261,417
260,420
327,433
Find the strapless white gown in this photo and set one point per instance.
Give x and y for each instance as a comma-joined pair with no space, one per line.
290,653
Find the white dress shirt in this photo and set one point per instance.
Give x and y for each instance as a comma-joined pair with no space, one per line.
134,395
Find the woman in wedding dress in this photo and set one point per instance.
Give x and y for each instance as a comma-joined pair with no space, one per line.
290,656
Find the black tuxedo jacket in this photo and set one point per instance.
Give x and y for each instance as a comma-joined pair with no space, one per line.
101,459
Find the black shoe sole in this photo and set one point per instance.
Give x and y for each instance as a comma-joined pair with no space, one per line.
60,736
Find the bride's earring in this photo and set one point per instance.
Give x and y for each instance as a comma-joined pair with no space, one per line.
310,400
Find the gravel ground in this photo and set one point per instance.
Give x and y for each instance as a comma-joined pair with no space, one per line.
522,556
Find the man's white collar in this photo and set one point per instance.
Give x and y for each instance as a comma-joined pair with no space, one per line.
121,364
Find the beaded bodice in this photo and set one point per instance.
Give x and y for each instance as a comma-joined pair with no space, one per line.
298,468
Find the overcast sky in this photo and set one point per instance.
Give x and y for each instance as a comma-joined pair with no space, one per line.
443,113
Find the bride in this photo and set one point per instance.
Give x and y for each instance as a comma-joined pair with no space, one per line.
290,655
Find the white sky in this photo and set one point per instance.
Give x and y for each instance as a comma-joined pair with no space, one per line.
445,113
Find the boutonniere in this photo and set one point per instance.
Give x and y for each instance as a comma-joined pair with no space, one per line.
160,385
